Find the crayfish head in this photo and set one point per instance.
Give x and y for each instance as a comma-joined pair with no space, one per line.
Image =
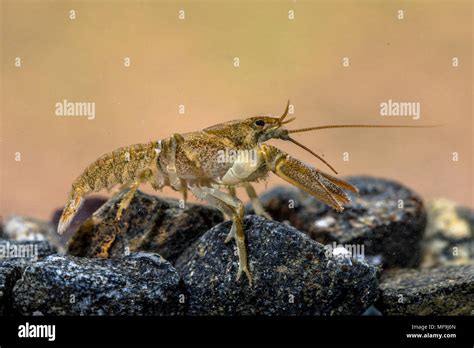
271,127
274,130
252,131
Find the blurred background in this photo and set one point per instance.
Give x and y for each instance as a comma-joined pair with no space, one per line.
285,49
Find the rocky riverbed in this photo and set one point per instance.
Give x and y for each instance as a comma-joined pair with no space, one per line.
388,253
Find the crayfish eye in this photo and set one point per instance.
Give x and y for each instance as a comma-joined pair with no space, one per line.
260,123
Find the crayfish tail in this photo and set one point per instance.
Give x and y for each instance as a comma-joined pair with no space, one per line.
124,166
73,205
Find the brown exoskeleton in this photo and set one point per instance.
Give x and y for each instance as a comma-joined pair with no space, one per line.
197,162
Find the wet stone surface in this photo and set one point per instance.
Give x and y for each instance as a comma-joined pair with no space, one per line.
15,256
444,290
387,218
150,224
292,275
139,284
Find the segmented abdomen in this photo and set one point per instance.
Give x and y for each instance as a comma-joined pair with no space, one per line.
121,166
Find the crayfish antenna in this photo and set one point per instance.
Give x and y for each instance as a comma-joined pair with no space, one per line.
282,117
331,126
312,152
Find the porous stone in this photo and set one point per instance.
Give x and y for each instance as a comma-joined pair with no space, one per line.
150,224
386,218
15,256
292,274
445,290
139,284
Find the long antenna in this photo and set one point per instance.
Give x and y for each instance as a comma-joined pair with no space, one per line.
357,126
311,152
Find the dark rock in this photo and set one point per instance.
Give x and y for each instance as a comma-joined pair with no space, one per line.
445,290
467,214
14,257
10,272
139,284
149,224
22,228
292,274
88,207
449,235
389,232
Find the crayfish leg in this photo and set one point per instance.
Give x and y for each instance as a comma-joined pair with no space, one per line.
234,208
256,204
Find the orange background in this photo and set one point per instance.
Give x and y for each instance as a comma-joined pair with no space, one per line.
190,62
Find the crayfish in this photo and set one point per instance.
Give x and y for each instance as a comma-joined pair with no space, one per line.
194,162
